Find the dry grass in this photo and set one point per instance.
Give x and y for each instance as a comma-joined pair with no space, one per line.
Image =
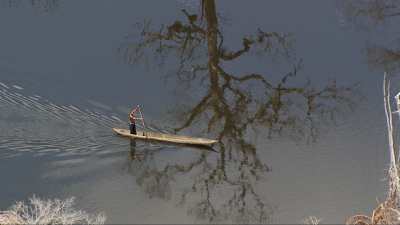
383,214
39,211
312,220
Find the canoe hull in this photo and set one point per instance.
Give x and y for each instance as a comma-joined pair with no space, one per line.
153,136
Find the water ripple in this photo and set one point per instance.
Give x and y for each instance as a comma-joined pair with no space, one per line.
31,123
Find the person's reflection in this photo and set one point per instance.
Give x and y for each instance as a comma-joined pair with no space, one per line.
132,153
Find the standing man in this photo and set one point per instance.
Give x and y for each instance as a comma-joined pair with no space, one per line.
132,120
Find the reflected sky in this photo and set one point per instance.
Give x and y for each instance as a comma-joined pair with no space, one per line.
69,56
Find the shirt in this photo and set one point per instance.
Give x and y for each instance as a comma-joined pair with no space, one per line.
132,115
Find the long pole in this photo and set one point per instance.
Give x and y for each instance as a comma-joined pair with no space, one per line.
141,117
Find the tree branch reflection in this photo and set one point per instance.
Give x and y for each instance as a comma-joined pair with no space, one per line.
228,102
208,172
39,5
370,14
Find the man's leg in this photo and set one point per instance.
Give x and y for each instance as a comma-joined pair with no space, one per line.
133,128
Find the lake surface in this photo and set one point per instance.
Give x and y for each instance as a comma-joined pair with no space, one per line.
302,135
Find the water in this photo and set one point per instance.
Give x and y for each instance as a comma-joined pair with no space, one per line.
298,137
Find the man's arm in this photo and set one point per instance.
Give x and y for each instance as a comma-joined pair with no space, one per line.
132,115
135,109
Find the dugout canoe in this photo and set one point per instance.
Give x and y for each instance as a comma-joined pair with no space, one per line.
177,139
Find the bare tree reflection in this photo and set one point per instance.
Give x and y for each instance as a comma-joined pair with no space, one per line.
370,14
241,203
223,186
387,58
154,183
230,105
39,5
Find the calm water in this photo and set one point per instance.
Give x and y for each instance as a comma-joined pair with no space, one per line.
293,142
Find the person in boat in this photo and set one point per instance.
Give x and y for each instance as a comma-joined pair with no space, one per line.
132,120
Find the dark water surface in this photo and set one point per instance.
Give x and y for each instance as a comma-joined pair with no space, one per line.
297,137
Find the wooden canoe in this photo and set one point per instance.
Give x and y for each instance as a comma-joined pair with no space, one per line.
153,136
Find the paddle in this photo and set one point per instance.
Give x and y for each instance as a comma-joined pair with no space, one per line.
142,119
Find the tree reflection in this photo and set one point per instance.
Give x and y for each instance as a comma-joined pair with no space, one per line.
223,186
39,5
369,14
231,107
